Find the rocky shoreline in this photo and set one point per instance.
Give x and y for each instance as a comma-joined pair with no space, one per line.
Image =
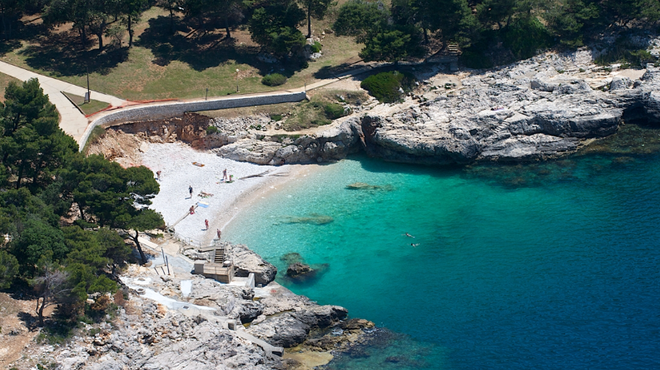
545,107
519,113
162,323
541,108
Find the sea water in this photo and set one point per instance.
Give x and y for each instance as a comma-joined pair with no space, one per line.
539,266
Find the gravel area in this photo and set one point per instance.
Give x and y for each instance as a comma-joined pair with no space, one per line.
175,161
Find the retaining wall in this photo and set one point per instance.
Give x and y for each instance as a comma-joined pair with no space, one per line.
172,109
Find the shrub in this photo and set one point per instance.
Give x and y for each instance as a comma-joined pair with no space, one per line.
211,130
333,110
316,47
627,53
525,36
320,122
273,79
387,86
276,117
475,58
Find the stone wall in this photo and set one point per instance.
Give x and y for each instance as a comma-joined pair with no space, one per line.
171,109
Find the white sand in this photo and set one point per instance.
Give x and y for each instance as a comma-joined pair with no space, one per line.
177,173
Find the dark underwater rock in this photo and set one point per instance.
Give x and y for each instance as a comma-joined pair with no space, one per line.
312,219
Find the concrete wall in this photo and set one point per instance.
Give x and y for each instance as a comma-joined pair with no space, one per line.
172,109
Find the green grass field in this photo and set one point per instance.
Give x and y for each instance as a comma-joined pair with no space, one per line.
162,66
88,108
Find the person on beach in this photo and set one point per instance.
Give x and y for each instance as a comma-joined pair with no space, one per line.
206,222
190,190
217,231
224,175
192,210
158,175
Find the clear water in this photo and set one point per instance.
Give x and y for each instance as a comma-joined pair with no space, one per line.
545,266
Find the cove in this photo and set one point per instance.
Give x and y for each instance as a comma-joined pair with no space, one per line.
546,266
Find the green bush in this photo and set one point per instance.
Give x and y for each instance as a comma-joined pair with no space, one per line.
475,58
211,130
525,36
273,79
276,117
387,86
316,47
333,110
320,122
627,53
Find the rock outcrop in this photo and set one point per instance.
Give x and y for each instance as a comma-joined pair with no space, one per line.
150,337
145,334
246,262
335,143
540,108
543,107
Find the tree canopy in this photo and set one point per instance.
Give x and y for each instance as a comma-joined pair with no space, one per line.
274,24
45,180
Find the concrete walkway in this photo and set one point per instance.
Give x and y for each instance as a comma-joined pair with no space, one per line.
72,121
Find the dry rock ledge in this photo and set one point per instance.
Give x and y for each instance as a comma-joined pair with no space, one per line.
540,108
209,325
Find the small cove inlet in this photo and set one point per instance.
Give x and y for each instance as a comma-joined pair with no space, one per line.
551,265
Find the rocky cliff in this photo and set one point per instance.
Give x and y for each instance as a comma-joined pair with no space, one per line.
540,108
536,109
209,326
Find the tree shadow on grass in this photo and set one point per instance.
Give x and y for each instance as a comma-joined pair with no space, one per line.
335,71
61,54
199,49
20,32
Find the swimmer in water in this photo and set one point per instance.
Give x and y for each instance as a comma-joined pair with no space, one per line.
414,245
410,236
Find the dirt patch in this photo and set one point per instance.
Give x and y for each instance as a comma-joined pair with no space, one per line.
123,144
16,318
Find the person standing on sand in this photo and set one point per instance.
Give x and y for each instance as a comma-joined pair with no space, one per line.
224,175
219,233
190,190
206,222
158,175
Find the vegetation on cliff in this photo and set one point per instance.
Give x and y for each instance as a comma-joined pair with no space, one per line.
59,209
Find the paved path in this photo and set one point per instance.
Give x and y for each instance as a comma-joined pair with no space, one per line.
72,121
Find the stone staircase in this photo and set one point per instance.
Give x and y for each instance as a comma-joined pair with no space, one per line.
219,256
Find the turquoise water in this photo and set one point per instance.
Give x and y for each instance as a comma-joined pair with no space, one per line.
544,266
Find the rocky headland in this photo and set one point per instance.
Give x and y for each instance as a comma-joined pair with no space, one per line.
540,108
183,321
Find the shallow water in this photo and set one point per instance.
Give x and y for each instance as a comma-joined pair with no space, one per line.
545,266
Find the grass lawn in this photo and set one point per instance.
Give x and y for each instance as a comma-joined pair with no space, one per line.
88,108
161,65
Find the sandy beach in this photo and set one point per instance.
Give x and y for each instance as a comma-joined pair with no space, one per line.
214,200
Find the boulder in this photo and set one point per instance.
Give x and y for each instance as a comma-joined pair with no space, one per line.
297,269
321,316
283,330
620,83
246,262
